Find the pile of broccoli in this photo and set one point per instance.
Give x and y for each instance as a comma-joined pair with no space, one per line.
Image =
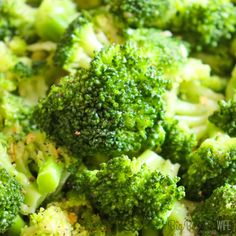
117,117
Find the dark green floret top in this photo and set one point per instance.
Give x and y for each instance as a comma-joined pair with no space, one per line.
114,107
11,199
133,194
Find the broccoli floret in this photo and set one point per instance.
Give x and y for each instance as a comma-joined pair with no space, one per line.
138,13
211,165
71,215
164,51
113,108
204,23
53,17
19,18
38,166
50,221
15,114
11,200
179,142
224,116
78,45
194,96
217,209
221,59
133,193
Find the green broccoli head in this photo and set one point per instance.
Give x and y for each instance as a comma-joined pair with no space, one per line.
133,193
77,47
211,165
11,200
224,117
50,221
18,19
114,107
164,51
218,208
179,142
205,23
138,13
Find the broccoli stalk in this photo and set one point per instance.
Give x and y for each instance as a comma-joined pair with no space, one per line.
133,194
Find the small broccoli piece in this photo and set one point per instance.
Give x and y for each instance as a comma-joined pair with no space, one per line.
11,199
37,165
6,31
15,114
139,13
221,59
133,193
211,165
53,17
50,221
179,142
163,50
19,18
71,215
113,108
224,117
78,45
194,96
218,208
204,23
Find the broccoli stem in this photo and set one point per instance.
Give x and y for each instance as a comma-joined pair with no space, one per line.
49,176
89,40
192,121
179,222
16,227
189,109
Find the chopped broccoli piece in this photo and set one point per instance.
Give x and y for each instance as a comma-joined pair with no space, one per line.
78,45
211,165
138,13
218,208
133,193
11,200
224,117
114,107
179,142
163,50
38,166
53,17
50,221
18,18
204,23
